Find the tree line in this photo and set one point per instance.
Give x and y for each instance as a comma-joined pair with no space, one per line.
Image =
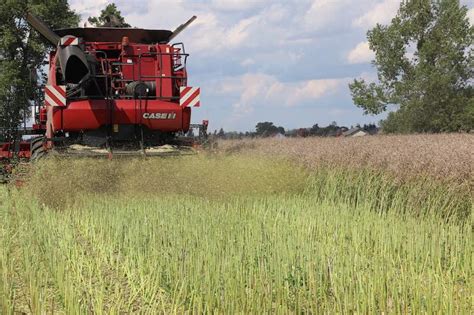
268,129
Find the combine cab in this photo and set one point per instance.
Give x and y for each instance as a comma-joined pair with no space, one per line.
112,91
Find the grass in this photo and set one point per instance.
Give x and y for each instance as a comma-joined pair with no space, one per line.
213,177
232,234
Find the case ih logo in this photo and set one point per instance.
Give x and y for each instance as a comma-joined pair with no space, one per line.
159,115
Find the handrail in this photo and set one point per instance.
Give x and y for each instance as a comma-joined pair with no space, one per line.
112,77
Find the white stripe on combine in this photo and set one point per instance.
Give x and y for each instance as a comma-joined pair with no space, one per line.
50,100
56,93
194,102
64,40
185,98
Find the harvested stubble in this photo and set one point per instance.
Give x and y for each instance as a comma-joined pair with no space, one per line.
238,234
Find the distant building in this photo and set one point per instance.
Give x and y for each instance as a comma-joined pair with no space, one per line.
340,131
355,132
303,132
279,135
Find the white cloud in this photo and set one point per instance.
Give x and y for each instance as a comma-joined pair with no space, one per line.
208,35
277,13
237,5
324,12
361,54
470,15
270,25
215,33
239,33
87,8
163,14
247,62
258,89
381,13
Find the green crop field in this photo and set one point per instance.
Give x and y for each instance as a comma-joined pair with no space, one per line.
239,231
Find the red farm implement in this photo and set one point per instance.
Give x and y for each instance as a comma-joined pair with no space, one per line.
110,92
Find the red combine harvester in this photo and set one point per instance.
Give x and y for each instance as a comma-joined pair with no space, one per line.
111,91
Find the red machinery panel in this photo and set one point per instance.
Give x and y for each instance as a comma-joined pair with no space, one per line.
93,114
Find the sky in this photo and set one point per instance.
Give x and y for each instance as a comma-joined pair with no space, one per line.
285,61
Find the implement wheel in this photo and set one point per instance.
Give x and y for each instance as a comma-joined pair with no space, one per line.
3,176
37,149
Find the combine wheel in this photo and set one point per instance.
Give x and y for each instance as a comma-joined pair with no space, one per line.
37,149
3,175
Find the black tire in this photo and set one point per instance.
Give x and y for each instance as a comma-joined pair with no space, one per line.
37,149
3,176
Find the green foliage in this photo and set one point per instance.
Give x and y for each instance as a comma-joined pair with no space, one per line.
151,237
109,17
23,52
244,175
266,129
215,178
425,66
331,130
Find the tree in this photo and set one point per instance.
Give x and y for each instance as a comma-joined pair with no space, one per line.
221,133
314,130
109,17
370,128
266,129
23,52
425,66
331,130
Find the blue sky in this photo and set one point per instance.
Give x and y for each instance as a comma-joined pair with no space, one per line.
269,60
